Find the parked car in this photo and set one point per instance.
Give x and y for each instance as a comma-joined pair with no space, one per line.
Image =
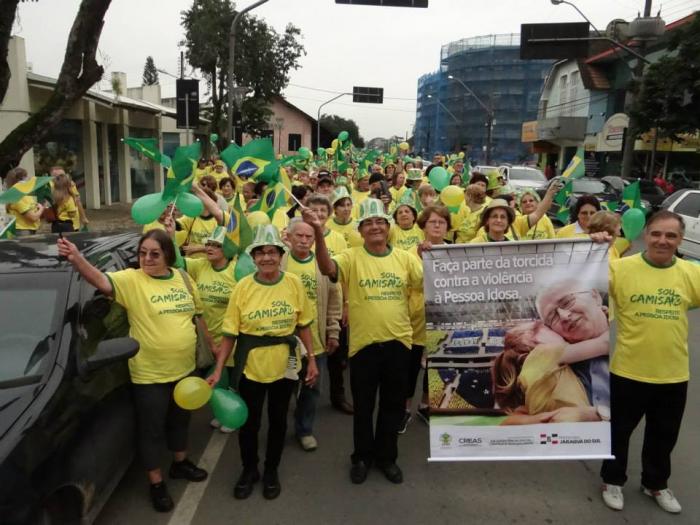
652,196
686,203
66,417
603,191
524,177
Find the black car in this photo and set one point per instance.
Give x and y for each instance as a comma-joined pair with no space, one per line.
66,417
602,190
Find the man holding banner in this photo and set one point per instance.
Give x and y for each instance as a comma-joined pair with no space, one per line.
378,279
649,372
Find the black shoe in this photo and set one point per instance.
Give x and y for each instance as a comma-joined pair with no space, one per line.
424,414
392,472
358,472
343,406
188,470
404,422
244,485
160,498
271,484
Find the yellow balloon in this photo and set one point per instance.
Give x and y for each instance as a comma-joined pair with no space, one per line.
257,218
404,146
452,196
191,393
461,155
334,144
330,151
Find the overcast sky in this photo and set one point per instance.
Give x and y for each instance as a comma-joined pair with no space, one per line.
346,45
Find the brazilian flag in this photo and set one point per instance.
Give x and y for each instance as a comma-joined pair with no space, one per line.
275,197
8,231
250,160
37,186
148,147
238,231
561,198
576,168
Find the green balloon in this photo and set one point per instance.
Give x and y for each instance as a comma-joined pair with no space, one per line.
165,161
213,137
148,208
343,136
439,178
633,223
244,266
304,153
321,152
229,408
189,204
223,380
453,209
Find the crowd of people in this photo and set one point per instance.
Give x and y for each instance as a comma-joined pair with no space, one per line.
338,282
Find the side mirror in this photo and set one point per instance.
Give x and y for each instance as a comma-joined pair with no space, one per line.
111,351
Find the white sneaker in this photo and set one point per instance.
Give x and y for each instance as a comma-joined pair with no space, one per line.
613,497
214,423
226,430
308,443
664,499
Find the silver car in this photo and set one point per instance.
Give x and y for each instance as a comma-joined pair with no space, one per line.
686,203
524,177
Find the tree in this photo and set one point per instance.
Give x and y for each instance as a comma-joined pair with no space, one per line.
335,124
79,73
150,73
264,59
669,98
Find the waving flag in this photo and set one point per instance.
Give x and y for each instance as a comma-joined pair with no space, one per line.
238,231
275,197
576,168
632,195
561,199
148,148
250,160
8,231
38,186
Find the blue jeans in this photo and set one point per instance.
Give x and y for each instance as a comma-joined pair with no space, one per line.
305,412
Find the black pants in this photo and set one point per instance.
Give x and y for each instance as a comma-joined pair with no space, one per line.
413,369
382,366
662,405
337,363
253,393
159,419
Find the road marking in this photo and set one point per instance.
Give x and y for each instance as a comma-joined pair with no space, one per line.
189,502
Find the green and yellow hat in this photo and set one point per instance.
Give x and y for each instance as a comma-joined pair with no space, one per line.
266,235
341,192
218,235
408,198
414,174
372,208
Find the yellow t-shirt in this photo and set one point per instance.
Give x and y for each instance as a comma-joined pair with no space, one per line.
405,239
160,312
468,223
276,309
357,198
68,211
198,229
416,307
396,193
651,306
280,220
571,231
348,231
306,271
542,229
335,242
155,225
215,287
378,288
19,208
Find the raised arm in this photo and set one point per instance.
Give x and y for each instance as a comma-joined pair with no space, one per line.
209,204
325,263
91,274
544,204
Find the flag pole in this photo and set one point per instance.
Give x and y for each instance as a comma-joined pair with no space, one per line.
293,197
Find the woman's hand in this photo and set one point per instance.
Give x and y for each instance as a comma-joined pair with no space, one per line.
191,249
213,379
424,246
345,314
311,372
169,224
602,237
68,250
331,345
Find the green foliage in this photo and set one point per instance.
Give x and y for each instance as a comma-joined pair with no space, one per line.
335,124
669,97
264,60
150,73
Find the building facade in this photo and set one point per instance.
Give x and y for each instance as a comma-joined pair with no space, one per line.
450,118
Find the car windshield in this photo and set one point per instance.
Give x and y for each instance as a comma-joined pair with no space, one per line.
530,174
29,319
589,186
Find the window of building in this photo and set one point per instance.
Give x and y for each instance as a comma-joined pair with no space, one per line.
294,141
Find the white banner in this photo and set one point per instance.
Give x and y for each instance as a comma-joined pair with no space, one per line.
518,346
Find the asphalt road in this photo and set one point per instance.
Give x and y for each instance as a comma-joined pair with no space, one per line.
316,488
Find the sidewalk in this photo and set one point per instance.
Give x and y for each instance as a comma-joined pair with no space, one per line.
109,219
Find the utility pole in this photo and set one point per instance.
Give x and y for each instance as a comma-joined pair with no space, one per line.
630,135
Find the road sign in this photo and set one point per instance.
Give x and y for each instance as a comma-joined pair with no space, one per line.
187,103
386,3
369,95
554,41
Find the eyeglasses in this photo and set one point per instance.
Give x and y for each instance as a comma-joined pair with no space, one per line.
436,222
153,255
565,303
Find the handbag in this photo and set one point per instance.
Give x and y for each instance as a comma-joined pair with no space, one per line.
203,356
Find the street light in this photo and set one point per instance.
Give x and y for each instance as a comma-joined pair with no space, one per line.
278,125
559,2
239,94
231,62
318,117
489,117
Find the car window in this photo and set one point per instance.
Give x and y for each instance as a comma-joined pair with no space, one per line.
689,205
531,174
31,313
588,186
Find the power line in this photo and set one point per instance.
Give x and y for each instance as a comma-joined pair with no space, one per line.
353,105
339,92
